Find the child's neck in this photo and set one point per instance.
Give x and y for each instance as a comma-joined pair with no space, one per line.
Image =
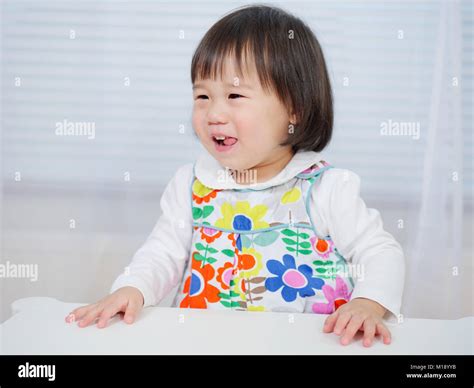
263,171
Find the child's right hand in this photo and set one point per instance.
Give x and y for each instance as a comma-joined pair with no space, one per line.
127,300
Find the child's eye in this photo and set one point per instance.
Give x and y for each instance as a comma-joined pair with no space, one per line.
234,95
202,96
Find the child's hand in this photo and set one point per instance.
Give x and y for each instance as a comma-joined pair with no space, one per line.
128,300
358,314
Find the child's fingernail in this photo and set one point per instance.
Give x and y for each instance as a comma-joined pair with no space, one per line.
70,318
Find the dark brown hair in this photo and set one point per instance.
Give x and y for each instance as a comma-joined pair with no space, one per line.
288,59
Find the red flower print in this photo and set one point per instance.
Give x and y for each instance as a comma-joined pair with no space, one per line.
246,262
197,286
225,274
209,234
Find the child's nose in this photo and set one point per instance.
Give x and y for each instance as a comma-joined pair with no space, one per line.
217,114
217,119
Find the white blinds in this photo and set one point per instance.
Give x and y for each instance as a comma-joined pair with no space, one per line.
122,69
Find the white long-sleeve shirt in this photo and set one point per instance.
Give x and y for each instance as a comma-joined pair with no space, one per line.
336,209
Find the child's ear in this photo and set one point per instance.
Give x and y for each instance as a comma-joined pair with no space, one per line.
293,118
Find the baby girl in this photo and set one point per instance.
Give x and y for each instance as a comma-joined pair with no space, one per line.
261,221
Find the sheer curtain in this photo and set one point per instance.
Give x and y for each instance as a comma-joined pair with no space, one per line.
439,278
78,207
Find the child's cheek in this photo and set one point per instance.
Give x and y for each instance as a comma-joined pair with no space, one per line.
198,120
247,127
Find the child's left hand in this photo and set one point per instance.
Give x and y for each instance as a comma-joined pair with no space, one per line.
358,314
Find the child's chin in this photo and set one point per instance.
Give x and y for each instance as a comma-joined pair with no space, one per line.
229,162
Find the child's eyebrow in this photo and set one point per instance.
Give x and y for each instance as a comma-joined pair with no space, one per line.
240,85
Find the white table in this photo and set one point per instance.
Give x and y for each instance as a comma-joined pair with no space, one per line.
38,327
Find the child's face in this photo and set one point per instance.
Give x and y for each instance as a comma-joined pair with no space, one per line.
239,108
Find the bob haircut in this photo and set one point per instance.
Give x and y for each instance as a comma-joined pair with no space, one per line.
288,60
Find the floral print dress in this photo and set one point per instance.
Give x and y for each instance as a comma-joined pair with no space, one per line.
257,250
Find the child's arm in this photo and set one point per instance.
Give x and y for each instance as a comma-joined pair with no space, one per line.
358,234
156,267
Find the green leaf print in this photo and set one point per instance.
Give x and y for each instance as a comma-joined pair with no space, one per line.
305,244
325,269
228,252
200,247
289,241
231,304
211,260
199,257
319,262
207,211
266,238
288,232
197,212
296,243
212,250
246,241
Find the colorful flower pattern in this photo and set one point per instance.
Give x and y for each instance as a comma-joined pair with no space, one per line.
335,297
197,286
291,280
322,247
248,257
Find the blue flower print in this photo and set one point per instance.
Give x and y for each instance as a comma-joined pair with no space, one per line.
294,281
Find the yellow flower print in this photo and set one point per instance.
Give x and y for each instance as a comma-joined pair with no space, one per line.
202,193
242,217
291,196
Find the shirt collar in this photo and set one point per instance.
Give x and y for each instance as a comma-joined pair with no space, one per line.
213,175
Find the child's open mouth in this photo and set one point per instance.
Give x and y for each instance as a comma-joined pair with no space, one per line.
224,143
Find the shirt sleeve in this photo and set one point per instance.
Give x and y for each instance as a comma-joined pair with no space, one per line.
157,267
357,231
